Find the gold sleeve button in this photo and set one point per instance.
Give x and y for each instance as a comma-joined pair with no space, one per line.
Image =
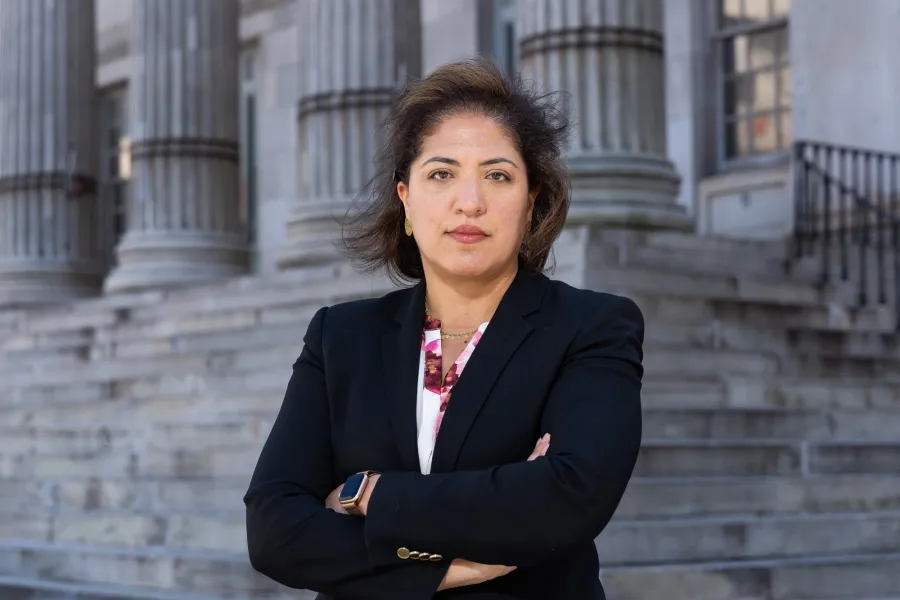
435,558
403,553
415,555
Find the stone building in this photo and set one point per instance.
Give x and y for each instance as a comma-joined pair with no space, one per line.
170,171
227,135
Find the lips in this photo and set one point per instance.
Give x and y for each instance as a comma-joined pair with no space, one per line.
468,230
468,234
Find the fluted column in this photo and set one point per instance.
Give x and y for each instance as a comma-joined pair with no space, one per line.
353,56
183,212
608,56
48,152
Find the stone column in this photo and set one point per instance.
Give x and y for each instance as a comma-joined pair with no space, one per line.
48,152
353,56
608,56
183,212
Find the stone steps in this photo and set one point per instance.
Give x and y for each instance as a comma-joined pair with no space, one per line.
24,588
660,360
182,431
716,458
218,574
747,537
763,423
645,497
771,495
146,570
681,457
809,578
625,541
191,397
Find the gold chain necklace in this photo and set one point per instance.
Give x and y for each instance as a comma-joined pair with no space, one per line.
465,335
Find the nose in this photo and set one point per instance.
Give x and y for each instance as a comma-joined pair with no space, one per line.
469,200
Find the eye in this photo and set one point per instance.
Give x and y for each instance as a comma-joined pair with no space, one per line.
440,174
499,176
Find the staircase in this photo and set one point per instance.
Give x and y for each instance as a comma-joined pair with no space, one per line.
770,467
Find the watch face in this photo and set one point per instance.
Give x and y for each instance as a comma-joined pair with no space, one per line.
351,486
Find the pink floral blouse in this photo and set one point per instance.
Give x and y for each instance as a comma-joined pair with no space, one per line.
434,391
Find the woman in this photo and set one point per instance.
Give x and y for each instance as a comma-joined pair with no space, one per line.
404,460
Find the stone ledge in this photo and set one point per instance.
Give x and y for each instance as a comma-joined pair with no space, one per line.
835,577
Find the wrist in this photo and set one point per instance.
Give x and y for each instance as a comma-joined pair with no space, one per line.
367,494
356,491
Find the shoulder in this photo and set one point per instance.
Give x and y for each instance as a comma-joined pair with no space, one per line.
591,309
355,316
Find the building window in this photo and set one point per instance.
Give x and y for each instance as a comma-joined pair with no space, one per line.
506,49
248,188
115,167
751,44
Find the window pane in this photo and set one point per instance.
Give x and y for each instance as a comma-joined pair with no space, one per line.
736,139
756,10
734,55
780,8
738,95
787,129
785,89
762,49
782,49
764,134
764,90
730,12
125,158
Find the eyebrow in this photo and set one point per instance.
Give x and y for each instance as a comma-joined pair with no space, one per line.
455,163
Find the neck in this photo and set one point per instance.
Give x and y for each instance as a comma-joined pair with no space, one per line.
465,303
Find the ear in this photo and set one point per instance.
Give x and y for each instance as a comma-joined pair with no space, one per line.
532,197
403,193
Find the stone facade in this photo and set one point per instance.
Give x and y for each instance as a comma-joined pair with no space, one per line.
644,84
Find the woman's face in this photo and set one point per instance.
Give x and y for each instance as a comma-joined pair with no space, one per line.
468,199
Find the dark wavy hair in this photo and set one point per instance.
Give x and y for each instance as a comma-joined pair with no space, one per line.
373,234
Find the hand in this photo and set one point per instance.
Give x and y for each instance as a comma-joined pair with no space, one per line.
465,572
333,502
540,449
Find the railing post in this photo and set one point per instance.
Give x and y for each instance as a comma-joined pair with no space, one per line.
843,220
880,206
801,173
863,217
825,218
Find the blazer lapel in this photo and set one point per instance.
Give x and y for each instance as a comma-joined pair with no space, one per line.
503,336
400,350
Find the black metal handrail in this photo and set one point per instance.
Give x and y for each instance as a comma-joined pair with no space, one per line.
847,202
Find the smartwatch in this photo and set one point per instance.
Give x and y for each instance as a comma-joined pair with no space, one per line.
353,490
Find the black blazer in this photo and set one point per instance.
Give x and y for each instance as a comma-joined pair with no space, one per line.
553,359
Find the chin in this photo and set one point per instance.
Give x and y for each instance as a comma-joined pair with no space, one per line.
472,267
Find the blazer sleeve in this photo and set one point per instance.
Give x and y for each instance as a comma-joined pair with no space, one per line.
523,514
291,537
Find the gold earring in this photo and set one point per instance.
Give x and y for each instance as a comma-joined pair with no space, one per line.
407,226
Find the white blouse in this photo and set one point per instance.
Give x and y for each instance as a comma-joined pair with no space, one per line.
434,393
